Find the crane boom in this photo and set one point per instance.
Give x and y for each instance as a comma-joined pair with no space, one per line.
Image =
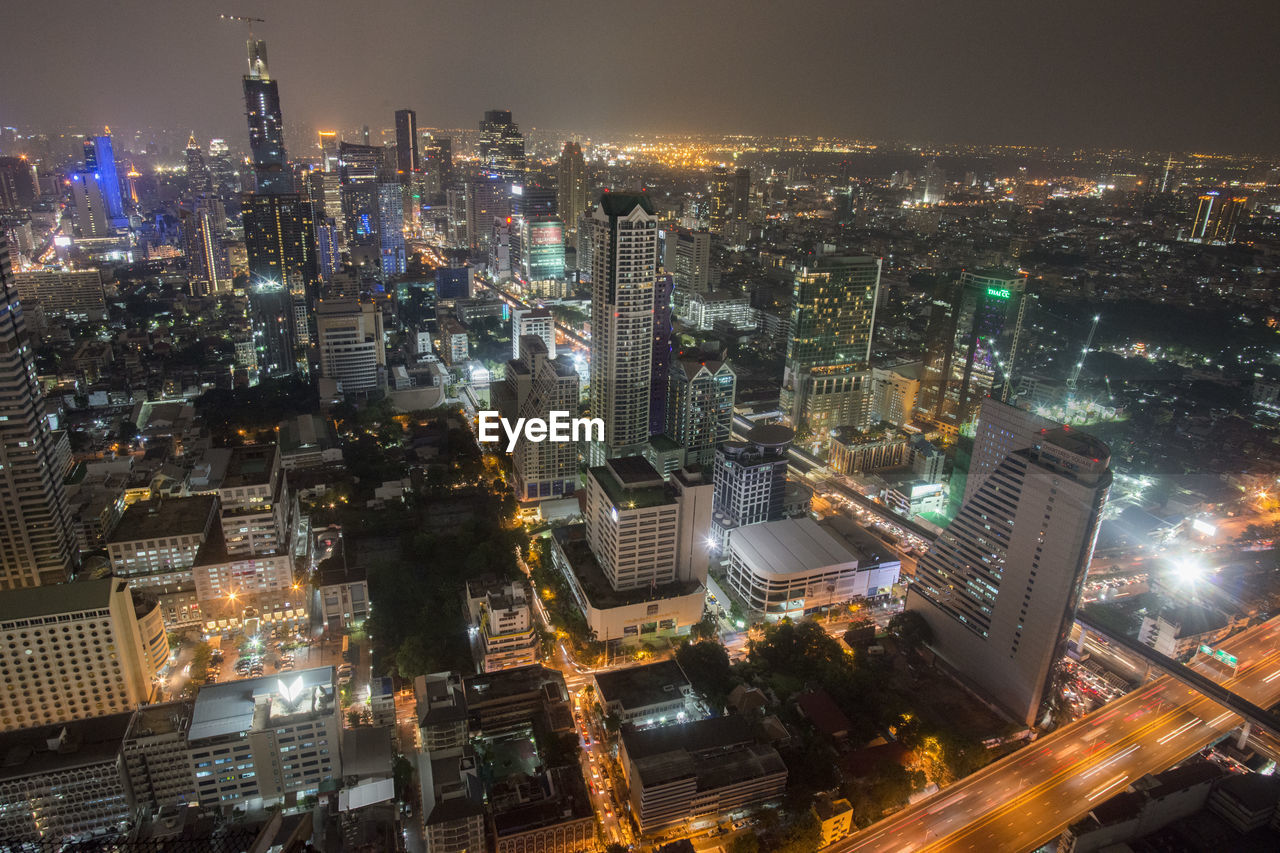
1074,378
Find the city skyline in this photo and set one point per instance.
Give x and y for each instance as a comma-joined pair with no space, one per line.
1053,81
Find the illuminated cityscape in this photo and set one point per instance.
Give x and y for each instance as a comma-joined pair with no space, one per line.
588,430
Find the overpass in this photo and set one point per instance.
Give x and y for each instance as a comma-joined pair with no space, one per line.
1202,684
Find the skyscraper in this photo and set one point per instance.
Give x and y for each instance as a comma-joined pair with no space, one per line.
973,341
266,125
700,407
390,227
1217,215
207,263
741,207
18,185
487,199
689,254
535,385
826,383
502,146
35,538
571,185
1000,586
407,164
280,240
328,144
624,262
351,345
89,205
199,178
100,158
721,210
750,479
437,163
660,363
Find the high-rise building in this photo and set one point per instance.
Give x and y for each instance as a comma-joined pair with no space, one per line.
390,225
826,381
750,479
225,178
280,240
660,362
100,159
935,184
540,248
741,207
199,178
572,185
974,335
536,384
19,188
266,125
36,542
352,351
207,262
502,146
689,260
64,293
1217,216
360,162
721,199
1000,586
89,204
538,322
275,331
700,407
437,163
328,144
407,164
487,199
624,266
895,390
81,649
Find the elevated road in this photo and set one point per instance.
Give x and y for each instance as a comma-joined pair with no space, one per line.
1031,796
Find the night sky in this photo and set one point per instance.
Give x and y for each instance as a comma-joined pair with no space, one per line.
1142,73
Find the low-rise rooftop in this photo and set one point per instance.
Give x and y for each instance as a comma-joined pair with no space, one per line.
165,518
641,686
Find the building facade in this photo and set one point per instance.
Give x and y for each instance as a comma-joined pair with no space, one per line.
352,348
700,407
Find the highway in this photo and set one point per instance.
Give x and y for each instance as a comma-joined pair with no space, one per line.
1029,797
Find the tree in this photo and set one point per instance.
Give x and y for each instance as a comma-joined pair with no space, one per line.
861,632
910,629
707,666
746,842
402,776
707,627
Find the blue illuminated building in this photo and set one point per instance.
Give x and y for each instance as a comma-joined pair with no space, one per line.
100,159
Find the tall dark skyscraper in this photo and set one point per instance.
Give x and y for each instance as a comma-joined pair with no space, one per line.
502,145
266,126
407,164
18,186
437,163
36,545
280,240
571,185
660,369
973,342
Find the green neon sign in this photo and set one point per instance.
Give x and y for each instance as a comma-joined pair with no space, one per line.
998,292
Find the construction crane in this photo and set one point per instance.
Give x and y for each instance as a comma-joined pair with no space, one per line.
1074,378
1111,395
244,19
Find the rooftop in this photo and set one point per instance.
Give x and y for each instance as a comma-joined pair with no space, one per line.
509,683
620,204
165,517
229,708
788,546
771,435
46,749
74,597
305,431
163,719
631,483
249,466
716,752
572,541
640,686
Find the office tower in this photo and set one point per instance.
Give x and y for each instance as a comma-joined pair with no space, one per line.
35,535
100,158
999,587
540,251
81,649
328,144
90,207
275,331
660,359
741,207
538,322
721,199
360,162
826,382
360,210
406,145
352,350
894,392
572,185
266,125
207,264
643,530
689,260
532,200
437,164
328,247
280,240
1001,429
536,384
19,188
935,184
973,340
390,225
225,179
329,193
199,178
502,146
624,265
750,479
487,199
700,407
1217,215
